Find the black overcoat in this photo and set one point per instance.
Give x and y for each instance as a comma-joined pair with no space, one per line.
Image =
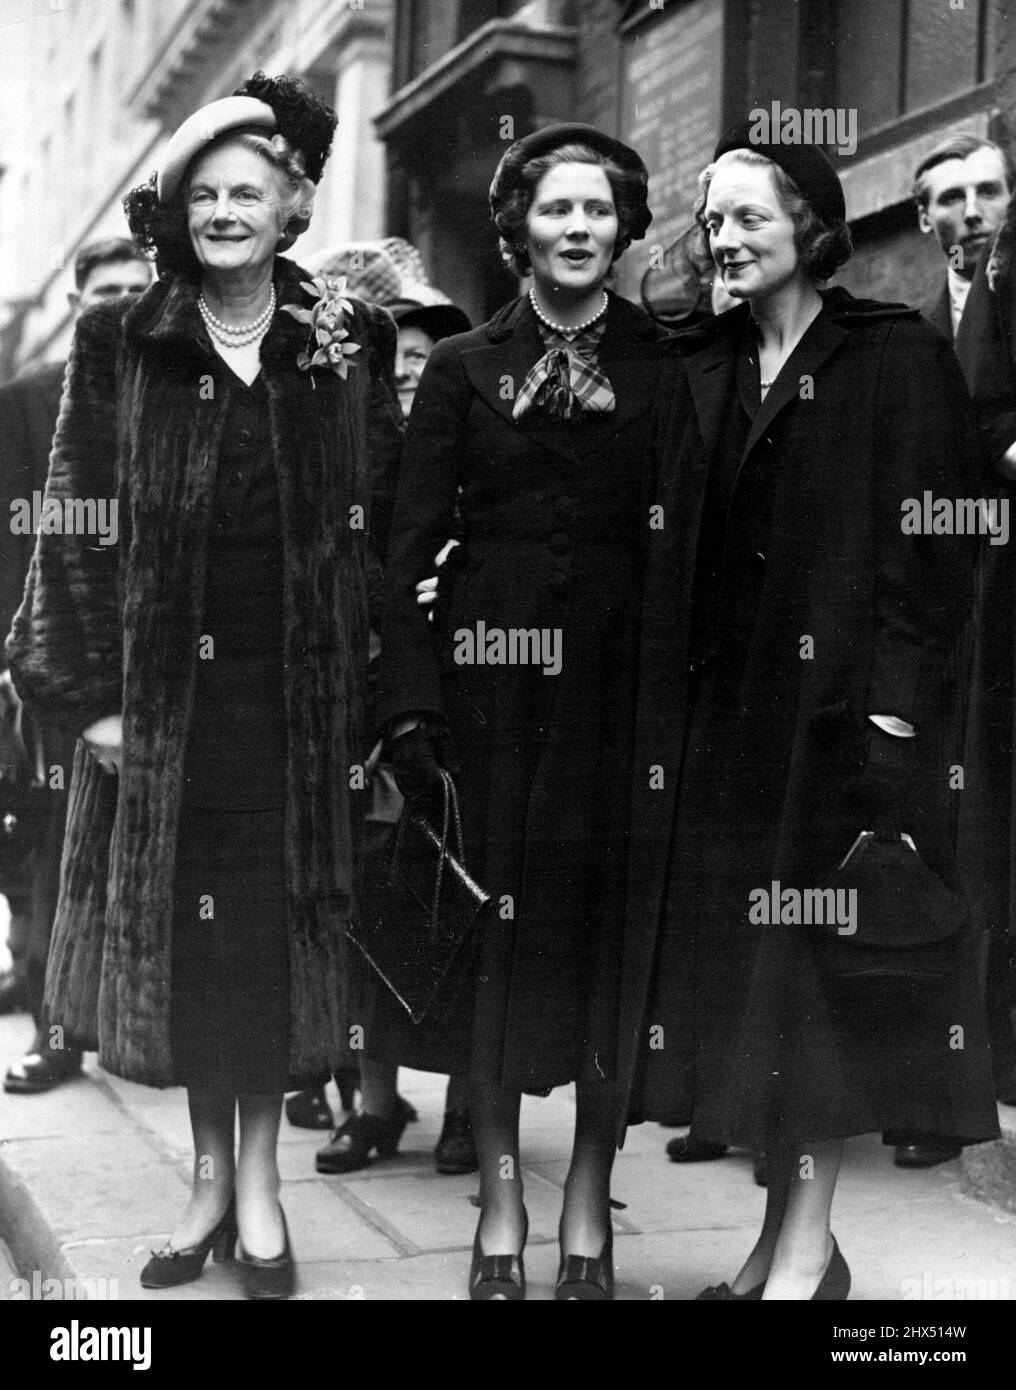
831,613
117,628
554,520
986,347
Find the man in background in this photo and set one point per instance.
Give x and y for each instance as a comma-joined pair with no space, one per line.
961,188
103,270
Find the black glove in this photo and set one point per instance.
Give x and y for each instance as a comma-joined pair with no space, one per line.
880,789
417,757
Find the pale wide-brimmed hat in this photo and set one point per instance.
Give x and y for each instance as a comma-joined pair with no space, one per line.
200,129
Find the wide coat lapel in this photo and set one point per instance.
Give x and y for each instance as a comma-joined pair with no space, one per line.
821,339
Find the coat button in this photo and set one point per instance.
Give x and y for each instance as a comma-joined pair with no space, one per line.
564,508
757,562
234,477
244,436
560,543
559,582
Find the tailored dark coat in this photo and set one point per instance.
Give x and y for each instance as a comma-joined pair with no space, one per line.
554,519
986,347
823,612
118,628
937,310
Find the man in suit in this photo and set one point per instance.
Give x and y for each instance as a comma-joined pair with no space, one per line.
103,270
961,188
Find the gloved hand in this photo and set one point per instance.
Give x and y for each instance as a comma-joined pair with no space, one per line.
417,757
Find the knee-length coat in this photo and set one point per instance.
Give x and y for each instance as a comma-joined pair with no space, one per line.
986,348
107,629
830,613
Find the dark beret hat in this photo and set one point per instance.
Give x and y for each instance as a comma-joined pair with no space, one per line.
508,174
807,164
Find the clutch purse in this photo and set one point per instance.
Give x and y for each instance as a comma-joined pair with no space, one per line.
418,915
901,920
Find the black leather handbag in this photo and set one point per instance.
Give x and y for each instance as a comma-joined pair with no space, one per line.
906,919
417,919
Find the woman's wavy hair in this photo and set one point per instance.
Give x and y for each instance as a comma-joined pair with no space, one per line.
160,229
822,246
510,220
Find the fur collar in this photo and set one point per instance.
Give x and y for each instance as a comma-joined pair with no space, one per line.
167,316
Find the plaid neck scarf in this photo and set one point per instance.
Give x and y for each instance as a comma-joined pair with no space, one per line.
566,383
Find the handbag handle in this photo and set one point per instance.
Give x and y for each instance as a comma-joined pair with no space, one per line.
450,814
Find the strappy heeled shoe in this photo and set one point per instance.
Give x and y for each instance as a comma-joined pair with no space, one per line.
501,1277
274,1278
352,1144
586,1280
169,1267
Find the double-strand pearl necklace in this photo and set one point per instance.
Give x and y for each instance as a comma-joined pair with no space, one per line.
571,329
230,335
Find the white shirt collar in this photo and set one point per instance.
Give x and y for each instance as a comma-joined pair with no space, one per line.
958,291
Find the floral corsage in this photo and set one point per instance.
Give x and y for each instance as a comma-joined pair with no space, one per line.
328,345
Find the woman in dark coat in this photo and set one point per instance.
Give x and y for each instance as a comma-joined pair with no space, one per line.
537,425
215,658
986,347
793,649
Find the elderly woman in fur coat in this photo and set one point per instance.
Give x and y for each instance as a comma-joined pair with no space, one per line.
213,661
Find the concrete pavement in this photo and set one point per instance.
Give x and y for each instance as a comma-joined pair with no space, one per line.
92,1176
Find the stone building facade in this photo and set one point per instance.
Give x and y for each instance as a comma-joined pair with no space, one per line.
669,76
92,90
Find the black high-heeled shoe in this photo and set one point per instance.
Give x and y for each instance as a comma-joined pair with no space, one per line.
722,1293
833,1286
835,1282
352,1144
169,1267
586,1280
501,1277
265,1279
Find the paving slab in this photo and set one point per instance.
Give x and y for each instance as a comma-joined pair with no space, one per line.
94,1174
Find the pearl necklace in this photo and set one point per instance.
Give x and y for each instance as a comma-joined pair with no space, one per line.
240,335
571,329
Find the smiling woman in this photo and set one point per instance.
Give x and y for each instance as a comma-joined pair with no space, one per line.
215,660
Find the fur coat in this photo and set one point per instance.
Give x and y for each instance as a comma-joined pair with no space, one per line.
107,628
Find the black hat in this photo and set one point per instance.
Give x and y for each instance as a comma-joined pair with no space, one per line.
437,320
808,165
508,173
